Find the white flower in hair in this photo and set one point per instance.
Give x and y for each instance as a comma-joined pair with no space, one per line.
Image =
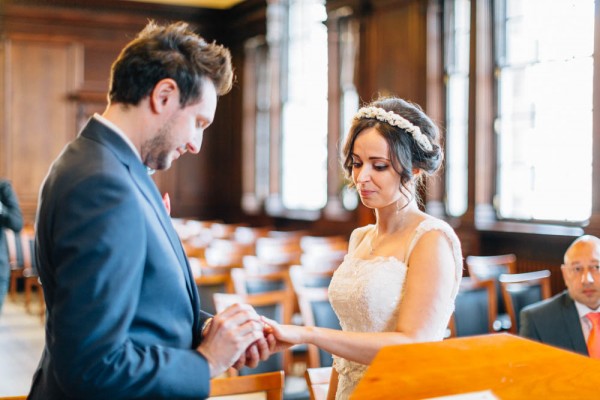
394,119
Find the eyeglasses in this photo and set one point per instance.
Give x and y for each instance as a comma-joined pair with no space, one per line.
581,269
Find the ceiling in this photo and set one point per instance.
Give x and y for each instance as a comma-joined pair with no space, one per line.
223,4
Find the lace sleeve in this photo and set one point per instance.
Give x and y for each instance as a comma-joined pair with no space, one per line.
435,224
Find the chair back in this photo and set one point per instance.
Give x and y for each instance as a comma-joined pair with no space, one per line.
316,310
317,380
246,282
320,244
208,285
270,383
520,290
281,250
249,235
491,267
475,308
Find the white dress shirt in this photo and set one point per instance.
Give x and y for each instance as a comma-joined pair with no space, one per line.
586,324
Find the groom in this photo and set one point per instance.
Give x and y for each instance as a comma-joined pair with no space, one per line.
123,313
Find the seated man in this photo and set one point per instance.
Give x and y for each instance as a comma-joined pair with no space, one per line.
563,320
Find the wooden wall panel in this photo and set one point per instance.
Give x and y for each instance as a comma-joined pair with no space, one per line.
57,58
393,56
3,105
40,120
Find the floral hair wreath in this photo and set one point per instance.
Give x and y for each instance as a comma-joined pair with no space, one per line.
394,119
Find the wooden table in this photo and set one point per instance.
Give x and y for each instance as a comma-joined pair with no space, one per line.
509,366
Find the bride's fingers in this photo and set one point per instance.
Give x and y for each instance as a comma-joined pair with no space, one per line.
269,322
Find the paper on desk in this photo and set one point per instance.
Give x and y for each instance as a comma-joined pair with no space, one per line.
482,395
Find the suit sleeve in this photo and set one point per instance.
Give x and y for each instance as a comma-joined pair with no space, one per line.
11,216
98,254
527,328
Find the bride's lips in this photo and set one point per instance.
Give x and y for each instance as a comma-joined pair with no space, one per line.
366,193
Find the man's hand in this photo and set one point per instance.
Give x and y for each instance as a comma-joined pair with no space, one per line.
230,334
259,351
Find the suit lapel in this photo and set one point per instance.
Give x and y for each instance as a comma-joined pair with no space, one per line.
573,324
97,131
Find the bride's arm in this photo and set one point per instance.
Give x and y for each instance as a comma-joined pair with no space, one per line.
423,310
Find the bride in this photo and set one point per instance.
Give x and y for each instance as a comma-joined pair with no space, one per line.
398,282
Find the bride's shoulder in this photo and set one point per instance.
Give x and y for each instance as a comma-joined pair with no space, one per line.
430,223
359,234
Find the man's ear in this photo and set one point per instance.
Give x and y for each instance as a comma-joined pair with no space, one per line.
164,95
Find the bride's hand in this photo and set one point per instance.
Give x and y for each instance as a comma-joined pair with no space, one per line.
286,335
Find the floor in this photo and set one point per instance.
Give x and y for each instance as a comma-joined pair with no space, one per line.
21,345
22,342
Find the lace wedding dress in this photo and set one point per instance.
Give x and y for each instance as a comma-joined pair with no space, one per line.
366,294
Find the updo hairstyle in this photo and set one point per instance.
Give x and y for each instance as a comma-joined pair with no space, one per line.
405,153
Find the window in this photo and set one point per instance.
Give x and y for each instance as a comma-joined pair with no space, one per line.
256,126
304,108
544,70
456,60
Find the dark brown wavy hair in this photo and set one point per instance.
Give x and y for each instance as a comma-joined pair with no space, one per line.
405,152
173,51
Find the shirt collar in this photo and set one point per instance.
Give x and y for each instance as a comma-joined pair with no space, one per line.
119,132
583,310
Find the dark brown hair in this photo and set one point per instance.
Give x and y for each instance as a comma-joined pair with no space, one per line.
173,51
405,152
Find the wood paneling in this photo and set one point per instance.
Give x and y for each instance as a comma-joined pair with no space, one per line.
56,61
40,118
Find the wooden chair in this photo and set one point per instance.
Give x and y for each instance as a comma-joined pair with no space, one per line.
491,267
248,282
323,252
317,380
310,244
273,305
323,261
224,252
281,250
271,383
475,308
520,290
222,230
249,235
256,265
316,310
208,285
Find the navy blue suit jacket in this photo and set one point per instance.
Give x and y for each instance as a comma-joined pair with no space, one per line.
10,218
554,321
123,313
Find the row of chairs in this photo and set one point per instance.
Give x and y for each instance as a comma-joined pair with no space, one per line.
271,384
283,275
275,295
490,299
